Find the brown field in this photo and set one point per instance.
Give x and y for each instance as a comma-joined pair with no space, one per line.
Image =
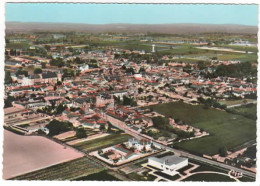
28,153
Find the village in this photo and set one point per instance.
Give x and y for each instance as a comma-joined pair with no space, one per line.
78,94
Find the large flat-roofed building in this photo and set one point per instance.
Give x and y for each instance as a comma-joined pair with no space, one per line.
168,164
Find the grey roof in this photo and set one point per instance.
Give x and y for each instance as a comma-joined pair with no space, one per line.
169,160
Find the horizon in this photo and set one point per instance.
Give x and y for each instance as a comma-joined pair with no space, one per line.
131,23
102,14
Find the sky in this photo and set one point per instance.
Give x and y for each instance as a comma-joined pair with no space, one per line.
132,13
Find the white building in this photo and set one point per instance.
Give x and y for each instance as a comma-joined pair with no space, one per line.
84,67
140,145
168,164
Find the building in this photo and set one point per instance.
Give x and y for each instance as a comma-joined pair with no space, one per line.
140,145
168,164
103,99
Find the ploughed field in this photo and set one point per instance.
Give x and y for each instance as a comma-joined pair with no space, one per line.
102,142
24,154
64,171
226,129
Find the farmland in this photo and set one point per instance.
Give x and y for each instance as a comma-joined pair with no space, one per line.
235,102
64,171
100,176
28,153
103,142
248,111
226,130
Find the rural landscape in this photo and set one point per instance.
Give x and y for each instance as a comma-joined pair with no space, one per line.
130,102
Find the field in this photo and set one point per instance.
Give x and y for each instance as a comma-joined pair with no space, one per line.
100,176
242,57
209,177
235,102
28,153
226,129
246,110
64,171
103,142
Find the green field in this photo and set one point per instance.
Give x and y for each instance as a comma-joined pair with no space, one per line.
246,110
242,57
103,142
226,129
23,45
64,171
209,177
235,102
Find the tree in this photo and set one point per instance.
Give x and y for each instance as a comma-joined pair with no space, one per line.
56,127
150,97
8,101
141,70
130,70
109,130
60,109
57,62
8,78
37,71
21,72
124,67
102,127
202,65
78,60
159,122
47,47
126,100
81,133
43,64
223,151
140,90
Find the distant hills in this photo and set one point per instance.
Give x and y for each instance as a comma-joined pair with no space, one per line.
132,28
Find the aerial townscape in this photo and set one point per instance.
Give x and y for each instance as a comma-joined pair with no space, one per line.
130,103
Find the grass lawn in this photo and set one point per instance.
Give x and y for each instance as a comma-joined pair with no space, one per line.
206,167
100,176
226,129
246,179
209,177
103,142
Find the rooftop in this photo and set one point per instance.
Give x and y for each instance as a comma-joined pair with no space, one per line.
169,160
